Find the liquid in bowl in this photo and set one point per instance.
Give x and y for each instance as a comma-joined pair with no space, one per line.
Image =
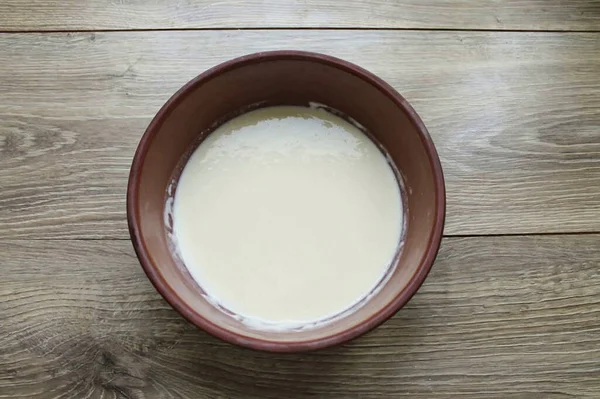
287,216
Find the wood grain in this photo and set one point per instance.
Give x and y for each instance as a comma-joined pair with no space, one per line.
498,317
48,15
515,117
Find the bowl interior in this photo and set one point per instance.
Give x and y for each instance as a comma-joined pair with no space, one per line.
289,78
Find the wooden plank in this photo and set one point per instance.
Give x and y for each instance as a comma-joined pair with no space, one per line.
515,117
498,317
48,15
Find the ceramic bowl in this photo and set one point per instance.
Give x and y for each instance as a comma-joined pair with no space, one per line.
285,78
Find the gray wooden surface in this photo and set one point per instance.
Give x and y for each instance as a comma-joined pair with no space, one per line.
515,118
47,15
498,317
512,306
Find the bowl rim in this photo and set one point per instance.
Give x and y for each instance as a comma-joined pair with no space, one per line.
171,296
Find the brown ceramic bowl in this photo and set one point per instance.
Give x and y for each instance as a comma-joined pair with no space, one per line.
285,78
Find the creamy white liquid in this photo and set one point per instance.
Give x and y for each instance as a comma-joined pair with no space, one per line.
287,215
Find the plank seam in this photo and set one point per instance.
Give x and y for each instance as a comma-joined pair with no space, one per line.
474,30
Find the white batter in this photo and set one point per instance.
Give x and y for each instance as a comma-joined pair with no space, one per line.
287,215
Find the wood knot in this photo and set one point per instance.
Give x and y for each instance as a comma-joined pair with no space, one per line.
121,373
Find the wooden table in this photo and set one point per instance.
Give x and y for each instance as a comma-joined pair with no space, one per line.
510,91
